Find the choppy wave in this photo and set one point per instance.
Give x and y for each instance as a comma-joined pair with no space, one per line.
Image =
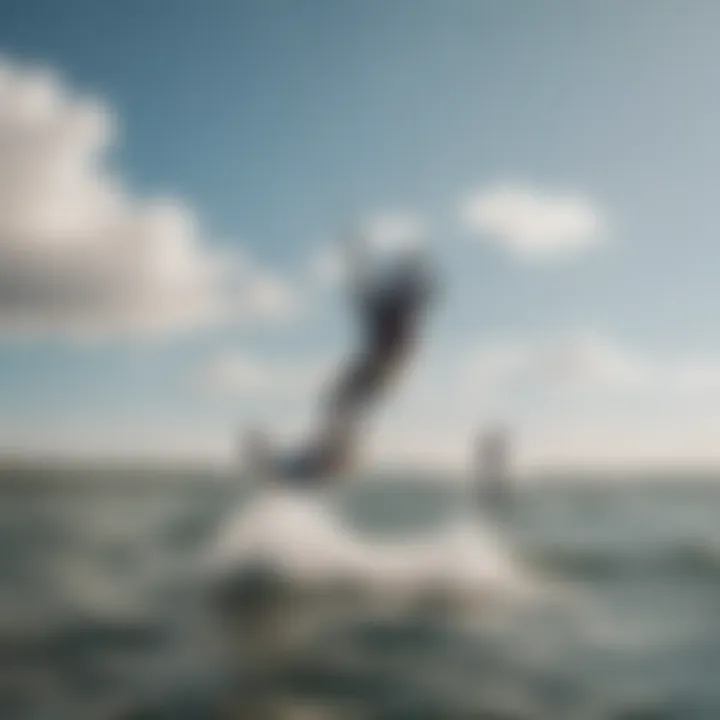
300,537
695,559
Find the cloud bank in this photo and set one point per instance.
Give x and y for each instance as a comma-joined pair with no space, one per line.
587,361
246,376
79,254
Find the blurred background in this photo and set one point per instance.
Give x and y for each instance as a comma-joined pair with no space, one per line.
533,529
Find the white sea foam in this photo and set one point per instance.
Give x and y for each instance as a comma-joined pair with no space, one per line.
298,534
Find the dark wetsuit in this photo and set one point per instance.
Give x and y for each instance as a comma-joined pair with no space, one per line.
390,315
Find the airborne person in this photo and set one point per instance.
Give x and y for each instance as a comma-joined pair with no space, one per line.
390,310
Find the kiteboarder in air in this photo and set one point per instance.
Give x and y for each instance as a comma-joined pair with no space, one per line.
390,310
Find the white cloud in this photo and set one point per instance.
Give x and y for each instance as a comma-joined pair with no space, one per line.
621,443
587,361
327,266
601,404
242,375
79,255
393,231
581,361
695,375
530,222
262,294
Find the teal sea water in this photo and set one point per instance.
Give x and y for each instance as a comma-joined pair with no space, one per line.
99,604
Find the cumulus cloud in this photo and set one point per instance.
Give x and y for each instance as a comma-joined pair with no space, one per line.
247,376
587,361
601,401
530,222
79,255
394,230
621,442
695,375
327,266
579,361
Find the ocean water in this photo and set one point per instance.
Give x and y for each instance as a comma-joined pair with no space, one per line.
587,600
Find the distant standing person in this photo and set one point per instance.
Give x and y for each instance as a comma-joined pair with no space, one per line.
493,468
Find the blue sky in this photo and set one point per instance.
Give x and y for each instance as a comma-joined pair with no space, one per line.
273,123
